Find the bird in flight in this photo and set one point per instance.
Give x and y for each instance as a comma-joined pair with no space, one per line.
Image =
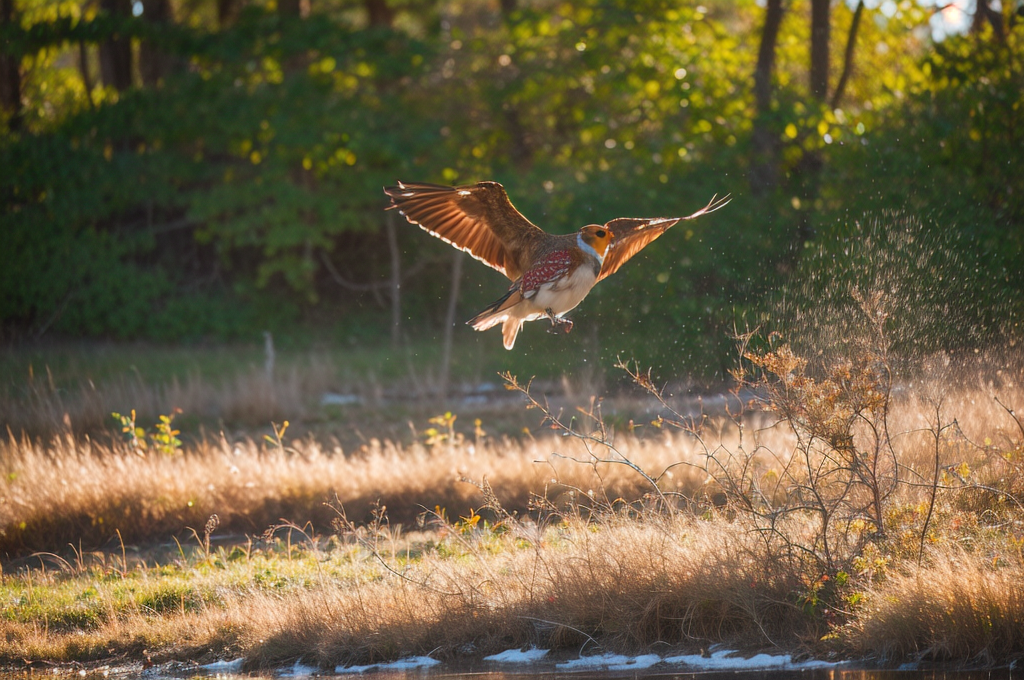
550,274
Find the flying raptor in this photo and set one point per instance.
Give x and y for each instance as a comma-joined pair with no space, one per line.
550,274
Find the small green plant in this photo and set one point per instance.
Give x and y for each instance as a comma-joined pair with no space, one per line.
435,435
136,436
164,440
278,438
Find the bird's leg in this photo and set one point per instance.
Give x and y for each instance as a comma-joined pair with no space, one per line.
558,324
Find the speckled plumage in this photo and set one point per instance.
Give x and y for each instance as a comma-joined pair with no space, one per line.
554,266
551,274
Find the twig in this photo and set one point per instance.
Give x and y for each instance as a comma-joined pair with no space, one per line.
588,440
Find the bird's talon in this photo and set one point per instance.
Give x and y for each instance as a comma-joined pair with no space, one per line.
560,326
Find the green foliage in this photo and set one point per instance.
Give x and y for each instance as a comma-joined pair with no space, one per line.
164,440
206,205
135,435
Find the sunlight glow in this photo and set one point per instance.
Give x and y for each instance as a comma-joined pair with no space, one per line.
953,18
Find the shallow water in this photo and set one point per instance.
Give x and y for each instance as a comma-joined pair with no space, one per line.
821,674
818,674
1002,674
480,671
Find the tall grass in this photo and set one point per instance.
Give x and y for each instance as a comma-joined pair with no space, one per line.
963,605
73,387
761,530
72,492
39,404
620,584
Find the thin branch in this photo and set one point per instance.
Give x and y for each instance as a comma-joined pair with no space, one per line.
1012,414
601,440
851,43
345,283
416,268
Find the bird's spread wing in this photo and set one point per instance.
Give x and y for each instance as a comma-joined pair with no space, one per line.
476,218
633,234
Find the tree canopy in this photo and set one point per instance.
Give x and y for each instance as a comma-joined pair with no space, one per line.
180,169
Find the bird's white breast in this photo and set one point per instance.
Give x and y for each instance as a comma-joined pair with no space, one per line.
562,295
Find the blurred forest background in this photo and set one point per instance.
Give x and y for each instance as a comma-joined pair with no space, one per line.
202,171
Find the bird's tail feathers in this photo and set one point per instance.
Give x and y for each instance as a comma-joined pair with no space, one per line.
492,314
510,330
498,313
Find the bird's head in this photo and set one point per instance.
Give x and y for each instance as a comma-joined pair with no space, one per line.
598,237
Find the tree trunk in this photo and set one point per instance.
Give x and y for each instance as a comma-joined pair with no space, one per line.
378,13
396,280
154,63
983,12
83,69
764,171
449,323
116,51
851,44
227,11
10,73
521,151
820,10
290,8
808,170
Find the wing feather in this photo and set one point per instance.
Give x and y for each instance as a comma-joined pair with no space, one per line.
478,219
633,234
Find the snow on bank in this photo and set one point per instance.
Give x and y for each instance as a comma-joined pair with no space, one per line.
408,664
299,670
611,662
719,660
223,666
518,655
723,660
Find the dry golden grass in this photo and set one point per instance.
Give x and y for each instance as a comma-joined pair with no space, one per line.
76,491
621,583
962,606
40,406
582,570
626,584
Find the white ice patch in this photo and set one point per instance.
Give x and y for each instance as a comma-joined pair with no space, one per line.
517,655
613,662
299,670
410,663
224,666
352,670
637,662
723,660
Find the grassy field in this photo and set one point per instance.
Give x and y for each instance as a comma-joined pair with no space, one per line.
74,387
839,514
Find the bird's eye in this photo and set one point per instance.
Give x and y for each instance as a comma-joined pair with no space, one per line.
600,233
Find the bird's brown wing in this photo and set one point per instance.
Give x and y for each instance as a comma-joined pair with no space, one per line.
476,218
633,234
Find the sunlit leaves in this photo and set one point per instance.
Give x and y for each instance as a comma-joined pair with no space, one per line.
267,147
